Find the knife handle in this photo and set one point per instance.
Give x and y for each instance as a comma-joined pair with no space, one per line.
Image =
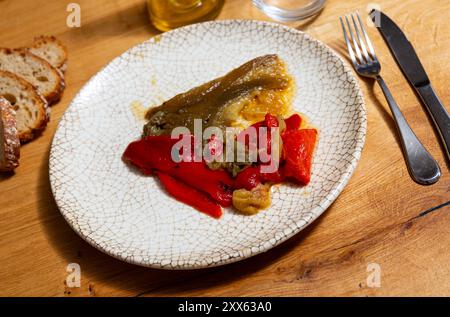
422,167
438,114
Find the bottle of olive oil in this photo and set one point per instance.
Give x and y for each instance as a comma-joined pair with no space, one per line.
170,14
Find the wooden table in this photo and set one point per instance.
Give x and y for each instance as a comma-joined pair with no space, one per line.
382,220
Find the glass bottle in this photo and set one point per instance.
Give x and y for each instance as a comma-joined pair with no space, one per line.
170,14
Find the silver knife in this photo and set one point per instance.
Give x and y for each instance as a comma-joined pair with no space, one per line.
413,70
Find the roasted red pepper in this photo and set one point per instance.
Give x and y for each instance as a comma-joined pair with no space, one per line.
274,177
195,184
153,153
217,183
190,196
293,122
252,176
150,153
249,178
269,122
298,147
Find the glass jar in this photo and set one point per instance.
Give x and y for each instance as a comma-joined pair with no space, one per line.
170,14
289,10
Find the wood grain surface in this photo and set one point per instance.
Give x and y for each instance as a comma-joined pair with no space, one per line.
381,217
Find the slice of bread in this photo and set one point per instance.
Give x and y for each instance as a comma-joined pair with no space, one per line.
9,138
32,112
50,49
37,71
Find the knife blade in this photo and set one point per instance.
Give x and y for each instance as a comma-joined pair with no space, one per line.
412,68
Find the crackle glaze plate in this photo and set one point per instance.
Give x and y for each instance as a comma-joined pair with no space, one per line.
129,216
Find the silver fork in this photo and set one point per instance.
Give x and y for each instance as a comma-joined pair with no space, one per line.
422,167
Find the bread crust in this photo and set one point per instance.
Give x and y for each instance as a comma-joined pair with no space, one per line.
44,39
43,109
10,147
54,95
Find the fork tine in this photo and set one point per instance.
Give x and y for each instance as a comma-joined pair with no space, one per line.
355,43
366,36
361,40
349,45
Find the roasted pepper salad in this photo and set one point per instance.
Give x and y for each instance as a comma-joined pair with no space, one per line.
282,142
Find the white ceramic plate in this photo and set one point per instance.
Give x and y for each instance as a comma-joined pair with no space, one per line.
128,215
